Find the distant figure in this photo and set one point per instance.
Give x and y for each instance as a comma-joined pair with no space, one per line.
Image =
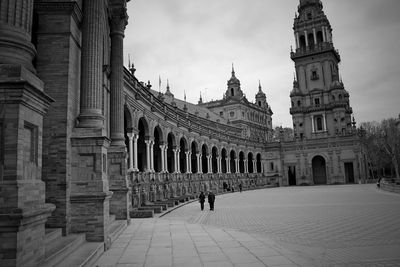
202,199
378,184
240,187
211,200
233,188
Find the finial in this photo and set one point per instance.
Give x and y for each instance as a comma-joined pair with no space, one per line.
233,71
167,85
184,95
129,61
259,85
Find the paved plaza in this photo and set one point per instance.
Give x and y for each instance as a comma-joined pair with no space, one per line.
346,225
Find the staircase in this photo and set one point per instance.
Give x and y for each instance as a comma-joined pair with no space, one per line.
74,250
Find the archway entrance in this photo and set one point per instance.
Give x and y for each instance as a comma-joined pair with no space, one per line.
292,175
319,170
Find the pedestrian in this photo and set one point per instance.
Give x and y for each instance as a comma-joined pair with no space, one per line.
211,200
202,199
233,188
378,184
240,187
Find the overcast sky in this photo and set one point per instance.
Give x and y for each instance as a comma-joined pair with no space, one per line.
193,43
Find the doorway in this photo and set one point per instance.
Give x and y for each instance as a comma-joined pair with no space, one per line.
319,170
349,172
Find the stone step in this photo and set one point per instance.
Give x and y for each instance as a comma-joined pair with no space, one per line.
141,213
116,228
84,256
57,250
52,234
155,209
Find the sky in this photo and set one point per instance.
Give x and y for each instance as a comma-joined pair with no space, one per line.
193,44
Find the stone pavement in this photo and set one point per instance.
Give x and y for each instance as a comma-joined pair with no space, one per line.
347,225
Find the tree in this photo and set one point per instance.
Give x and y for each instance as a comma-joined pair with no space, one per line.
382,143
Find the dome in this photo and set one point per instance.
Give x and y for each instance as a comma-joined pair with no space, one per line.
233,79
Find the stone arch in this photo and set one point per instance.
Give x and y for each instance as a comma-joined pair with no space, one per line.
204,160
224,167
319,172
171,145
194,148
232,161
158,141
241,162
250,166
214,159
302,41
259,163
183,149
143,133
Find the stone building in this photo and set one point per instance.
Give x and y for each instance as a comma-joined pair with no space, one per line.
85,145
325,149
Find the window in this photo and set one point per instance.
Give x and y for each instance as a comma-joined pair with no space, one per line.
299,103
333,98
232,92
340,97
221,113
309,16
232,114
301,135
319,124
271,166
314,75
259,103
242,113
292,104
316,101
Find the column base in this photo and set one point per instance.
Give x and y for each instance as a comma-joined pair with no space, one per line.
22,235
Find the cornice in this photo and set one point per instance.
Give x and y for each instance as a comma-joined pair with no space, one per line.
72,8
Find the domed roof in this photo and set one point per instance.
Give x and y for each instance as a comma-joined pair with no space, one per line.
260,93
296,91
233,79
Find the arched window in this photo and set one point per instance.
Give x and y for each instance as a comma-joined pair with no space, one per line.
232,92
298,103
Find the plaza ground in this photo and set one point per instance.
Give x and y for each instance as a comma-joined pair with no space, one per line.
344,225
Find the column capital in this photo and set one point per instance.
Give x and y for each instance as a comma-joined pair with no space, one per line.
118,18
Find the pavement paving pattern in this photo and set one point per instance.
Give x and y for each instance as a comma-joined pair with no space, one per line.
344,225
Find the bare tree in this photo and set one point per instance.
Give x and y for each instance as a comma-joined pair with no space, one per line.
382,143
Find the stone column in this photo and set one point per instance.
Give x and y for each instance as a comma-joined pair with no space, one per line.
315,36
118,22
228,165
166,158
118,183
209,165
152,156
305,34
92,66
324,120
190,162
15,33
254,166
199,167
178,161
187,162
312,124
131,137
162,148
297,40
323,34
219,165
246,167
148,166
175,161
135,153
237,165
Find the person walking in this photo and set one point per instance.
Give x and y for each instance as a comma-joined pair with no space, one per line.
240,187
202,199
211,200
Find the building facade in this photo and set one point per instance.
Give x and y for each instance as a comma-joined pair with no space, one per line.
85,144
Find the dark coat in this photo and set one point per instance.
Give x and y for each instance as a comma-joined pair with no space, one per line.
211,197
202,197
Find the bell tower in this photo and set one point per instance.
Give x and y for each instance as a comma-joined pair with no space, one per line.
320,103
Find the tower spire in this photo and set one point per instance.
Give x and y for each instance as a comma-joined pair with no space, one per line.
233,71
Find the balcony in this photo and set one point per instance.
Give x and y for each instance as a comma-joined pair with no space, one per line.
315,49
